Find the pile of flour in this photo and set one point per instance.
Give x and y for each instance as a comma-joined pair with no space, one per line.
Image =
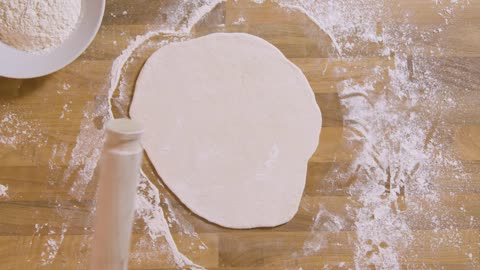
37,25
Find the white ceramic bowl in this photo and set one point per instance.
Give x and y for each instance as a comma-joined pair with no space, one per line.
21,65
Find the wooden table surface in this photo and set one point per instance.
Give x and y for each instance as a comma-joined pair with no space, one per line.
44,225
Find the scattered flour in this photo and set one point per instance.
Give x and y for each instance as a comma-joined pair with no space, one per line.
396,137
324,222
87,150
37,25
3,191
49,240
239,21
16,131
66,110
149,209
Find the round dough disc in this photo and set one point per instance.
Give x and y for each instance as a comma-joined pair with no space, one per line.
230,124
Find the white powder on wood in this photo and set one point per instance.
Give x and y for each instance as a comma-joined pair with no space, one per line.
3,191
37,25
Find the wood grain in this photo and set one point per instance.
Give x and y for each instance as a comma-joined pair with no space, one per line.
40,205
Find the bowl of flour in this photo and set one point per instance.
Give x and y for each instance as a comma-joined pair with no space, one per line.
39,37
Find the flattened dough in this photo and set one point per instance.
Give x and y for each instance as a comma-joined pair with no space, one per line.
230,124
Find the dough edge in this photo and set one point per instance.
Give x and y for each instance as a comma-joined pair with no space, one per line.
318,126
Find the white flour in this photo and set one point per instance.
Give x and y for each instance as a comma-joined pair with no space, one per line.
15,130
397,139
37,25
3,191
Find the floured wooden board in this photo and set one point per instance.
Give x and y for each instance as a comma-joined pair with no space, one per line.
394,184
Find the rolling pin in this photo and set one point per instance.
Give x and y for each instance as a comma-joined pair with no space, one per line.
119,172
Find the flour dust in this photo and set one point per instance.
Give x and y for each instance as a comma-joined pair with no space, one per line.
395,125
3,191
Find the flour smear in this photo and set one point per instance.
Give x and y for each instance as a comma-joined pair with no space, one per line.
3,191
401,172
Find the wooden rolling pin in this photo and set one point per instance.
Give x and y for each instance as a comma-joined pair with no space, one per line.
119,172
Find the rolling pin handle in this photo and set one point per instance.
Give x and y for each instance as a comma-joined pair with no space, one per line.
119,171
